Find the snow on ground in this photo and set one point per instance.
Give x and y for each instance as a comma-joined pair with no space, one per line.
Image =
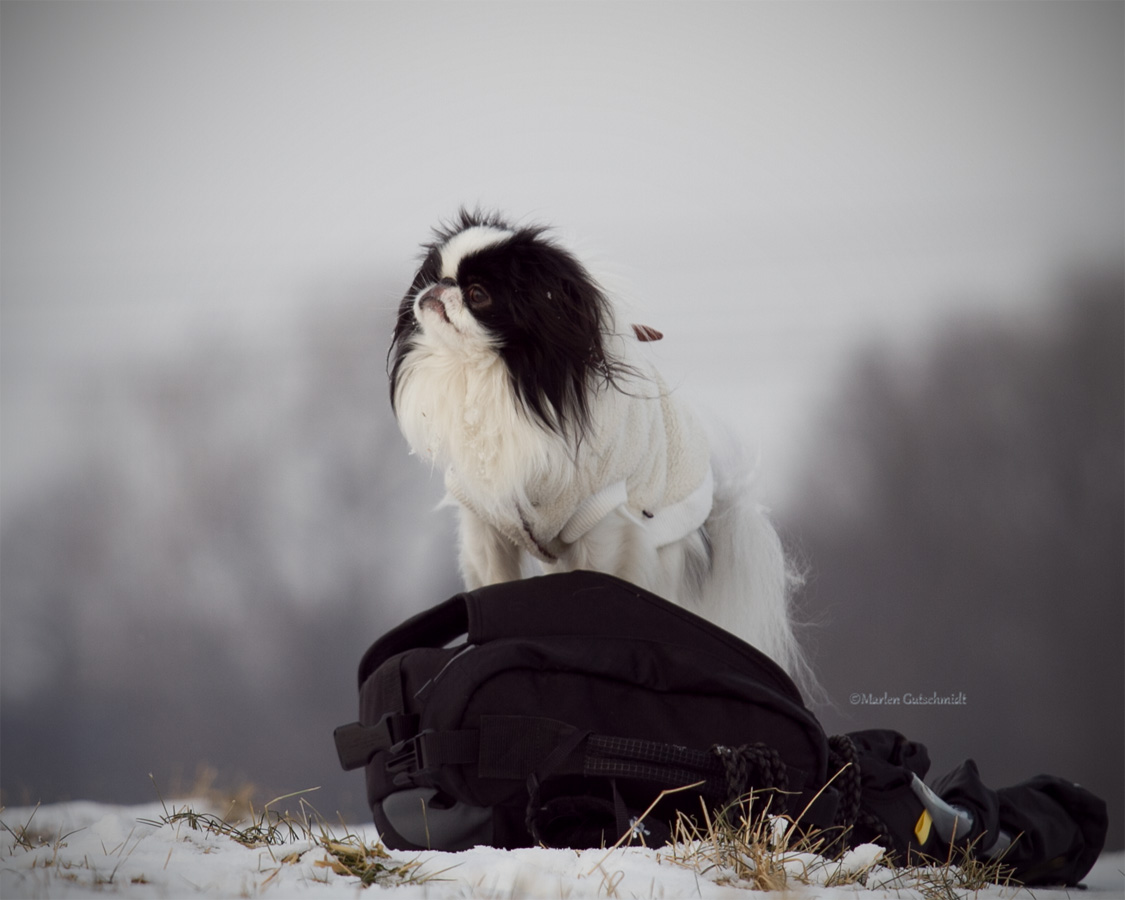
94,850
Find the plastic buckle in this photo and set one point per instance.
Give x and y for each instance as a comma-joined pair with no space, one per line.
406,758
357,743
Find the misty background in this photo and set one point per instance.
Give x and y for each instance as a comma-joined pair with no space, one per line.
885,242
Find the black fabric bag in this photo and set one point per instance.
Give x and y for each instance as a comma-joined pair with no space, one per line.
1044,831
575,702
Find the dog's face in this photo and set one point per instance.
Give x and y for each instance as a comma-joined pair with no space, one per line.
487,292
462,297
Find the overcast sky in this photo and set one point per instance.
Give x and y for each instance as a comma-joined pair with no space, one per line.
767,184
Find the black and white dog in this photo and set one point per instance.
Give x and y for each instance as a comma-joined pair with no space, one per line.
558,442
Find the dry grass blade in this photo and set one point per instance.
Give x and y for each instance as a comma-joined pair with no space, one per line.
349,855
744,845
22,834
635,828
370,863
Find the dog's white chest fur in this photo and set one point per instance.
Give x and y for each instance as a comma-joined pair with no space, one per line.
643,454
461,415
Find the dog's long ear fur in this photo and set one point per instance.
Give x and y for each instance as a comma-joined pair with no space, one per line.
554,344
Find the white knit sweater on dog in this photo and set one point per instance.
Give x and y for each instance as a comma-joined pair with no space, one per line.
645,455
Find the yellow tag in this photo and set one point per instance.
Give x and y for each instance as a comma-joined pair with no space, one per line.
922,827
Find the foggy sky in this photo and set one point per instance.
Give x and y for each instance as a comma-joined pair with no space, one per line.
765,183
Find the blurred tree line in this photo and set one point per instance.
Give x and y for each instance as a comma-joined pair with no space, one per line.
962,521
238,525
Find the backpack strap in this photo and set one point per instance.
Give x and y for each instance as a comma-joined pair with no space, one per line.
435,627
356,743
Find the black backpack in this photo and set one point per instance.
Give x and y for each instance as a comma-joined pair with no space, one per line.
573,702
578,707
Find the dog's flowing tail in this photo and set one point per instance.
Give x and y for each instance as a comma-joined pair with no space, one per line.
749,591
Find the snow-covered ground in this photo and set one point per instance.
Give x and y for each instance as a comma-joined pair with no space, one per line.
87,849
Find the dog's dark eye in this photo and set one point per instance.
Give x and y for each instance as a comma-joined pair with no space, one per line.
478,297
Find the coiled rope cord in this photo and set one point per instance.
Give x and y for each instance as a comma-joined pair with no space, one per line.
761,765
843,761
756,764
